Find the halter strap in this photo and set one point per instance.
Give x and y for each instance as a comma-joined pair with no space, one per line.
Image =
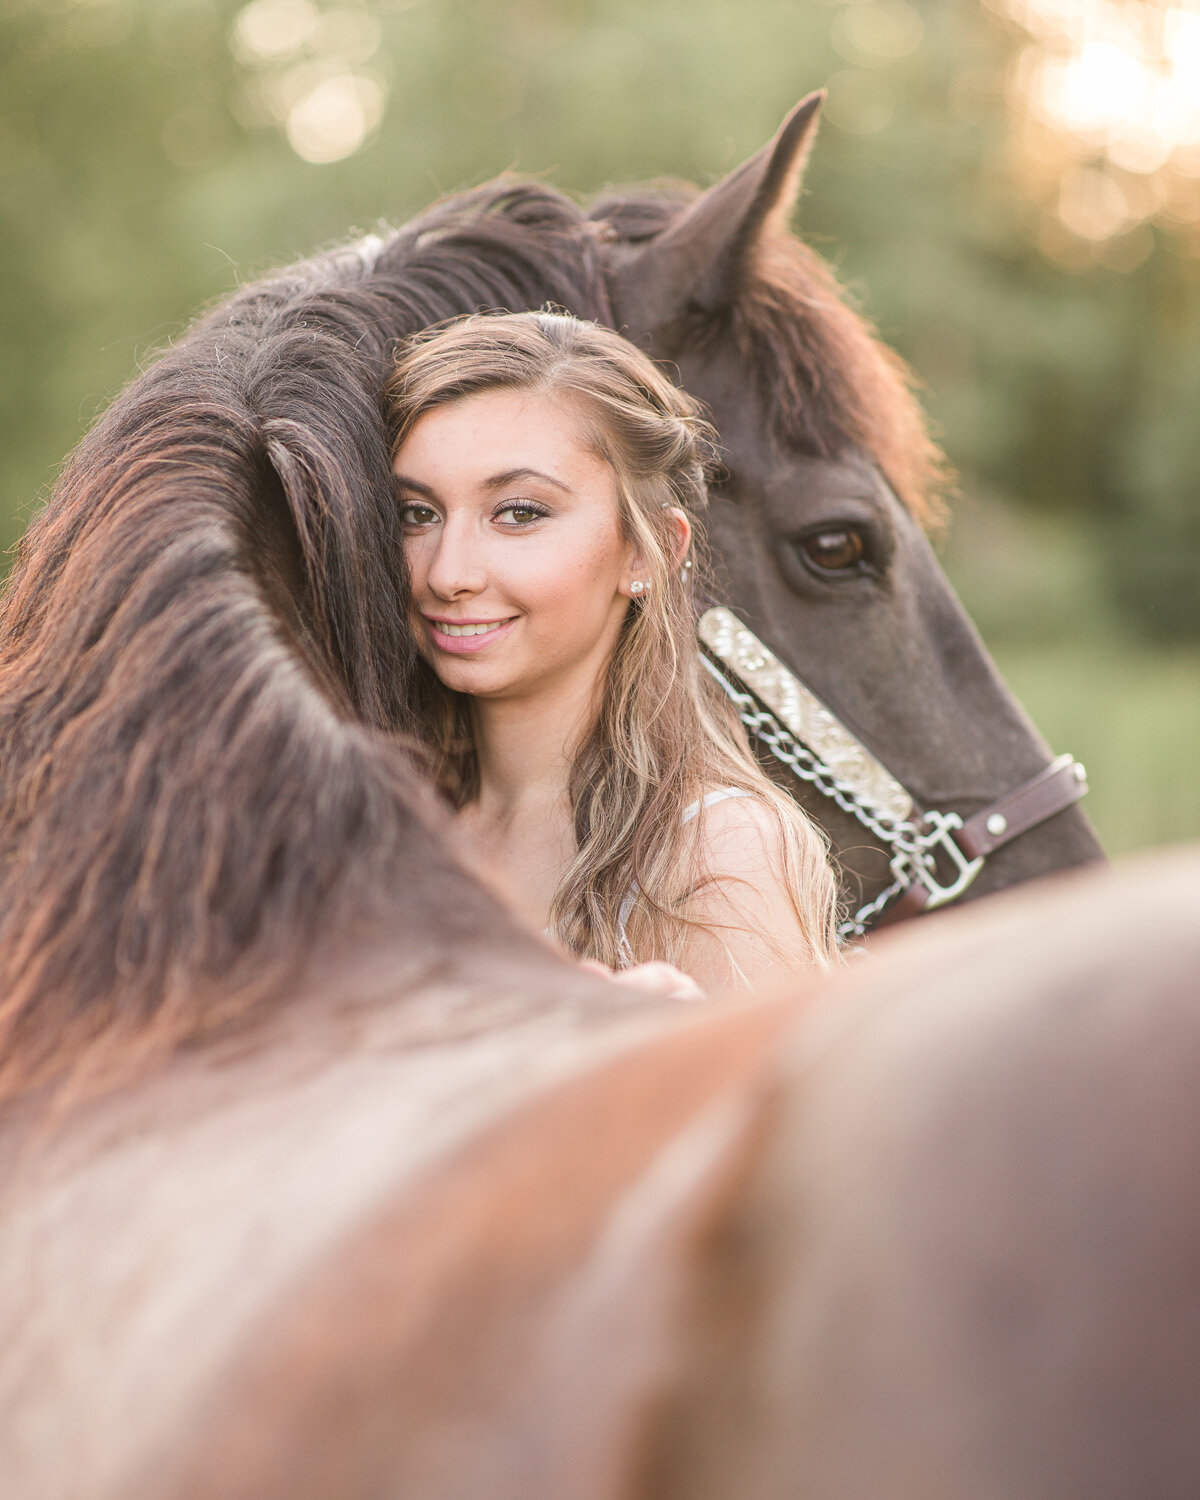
784,715
1063,782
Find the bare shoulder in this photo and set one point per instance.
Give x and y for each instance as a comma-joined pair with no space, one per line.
741,839
740,877
746,927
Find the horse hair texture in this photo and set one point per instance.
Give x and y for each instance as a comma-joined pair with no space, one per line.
205,780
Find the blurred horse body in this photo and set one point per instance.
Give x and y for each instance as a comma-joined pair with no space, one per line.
933,1234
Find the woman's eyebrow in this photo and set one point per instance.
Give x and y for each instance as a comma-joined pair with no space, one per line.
498,481
402,481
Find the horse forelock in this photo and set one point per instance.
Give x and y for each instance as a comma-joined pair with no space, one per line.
828,381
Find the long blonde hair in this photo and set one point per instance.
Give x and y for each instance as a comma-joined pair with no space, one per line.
664,735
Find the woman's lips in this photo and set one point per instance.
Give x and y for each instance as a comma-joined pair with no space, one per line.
478,635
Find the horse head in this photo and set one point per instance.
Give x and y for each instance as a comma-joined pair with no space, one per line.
818,521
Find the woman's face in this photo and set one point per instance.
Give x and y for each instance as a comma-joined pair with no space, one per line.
520,574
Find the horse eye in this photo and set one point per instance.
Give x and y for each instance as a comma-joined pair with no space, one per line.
835,551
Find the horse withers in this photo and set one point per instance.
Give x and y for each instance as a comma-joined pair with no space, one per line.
928,1232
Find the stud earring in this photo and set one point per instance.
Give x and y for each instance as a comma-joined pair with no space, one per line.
637,586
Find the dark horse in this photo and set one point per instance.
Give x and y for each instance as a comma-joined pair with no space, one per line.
203,642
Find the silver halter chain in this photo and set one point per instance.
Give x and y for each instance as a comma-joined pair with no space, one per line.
804,735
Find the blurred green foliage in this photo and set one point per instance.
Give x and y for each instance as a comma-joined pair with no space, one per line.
1132,715
145,170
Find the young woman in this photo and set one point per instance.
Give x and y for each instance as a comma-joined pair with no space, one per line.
550,480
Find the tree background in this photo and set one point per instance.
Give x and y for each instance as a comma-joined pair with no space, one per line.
1019,233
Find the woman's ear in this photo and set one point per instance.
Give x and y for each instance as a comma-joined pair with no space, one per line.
636,579
682,528
637,575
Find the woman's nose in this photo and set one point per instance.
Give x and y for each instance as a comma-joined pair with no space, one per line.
456,566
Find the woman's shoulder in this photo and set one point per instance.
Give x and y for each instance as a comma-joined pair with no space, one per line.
746,925
741,836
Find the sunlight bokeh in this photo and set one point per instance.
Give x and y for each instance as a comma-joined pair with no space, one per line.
1107,93
306,72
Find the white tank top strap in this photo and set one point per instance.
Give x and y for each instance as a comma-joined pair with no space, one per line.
629,901
710,799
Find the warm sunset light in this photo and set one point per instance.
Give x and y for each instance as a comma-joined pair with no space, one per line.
1110,92
307,73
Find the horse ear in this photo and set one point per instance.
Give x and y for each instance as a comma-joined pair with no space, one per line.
698,259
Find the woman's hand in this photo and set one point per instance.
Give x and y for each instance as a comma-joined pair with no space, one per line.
653,978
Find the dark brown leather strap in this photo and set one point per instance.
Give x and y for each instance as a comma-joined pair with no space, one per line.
910,903
1063,782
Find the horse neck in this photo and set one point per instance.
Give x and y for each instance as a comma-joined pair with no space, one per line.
206,653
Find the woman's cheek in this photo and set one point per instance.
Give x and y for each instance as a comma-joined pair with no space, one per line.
548,583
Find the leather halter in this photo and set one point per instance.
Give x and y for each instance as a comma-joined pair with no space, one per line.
785,715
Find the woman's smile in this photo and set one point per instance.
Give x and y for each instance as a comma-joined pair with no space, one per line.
462,637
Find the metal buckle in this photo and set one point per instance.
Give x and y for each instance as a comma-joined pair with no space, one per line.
928,844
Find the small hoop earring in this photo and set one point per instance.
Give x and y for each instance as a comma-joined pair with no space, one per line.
637,586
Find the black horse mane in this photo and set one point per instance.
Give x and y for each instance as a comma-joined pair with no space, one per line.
204,651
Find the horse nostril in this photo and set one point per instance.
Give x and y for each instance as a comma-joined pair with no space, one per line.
834,551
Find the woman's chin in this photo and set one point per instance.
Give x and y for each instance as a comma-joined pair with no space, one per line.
481,679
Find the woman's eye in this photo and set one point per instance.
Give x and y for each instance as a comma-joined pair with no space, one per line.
836,551
416,513
518,515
